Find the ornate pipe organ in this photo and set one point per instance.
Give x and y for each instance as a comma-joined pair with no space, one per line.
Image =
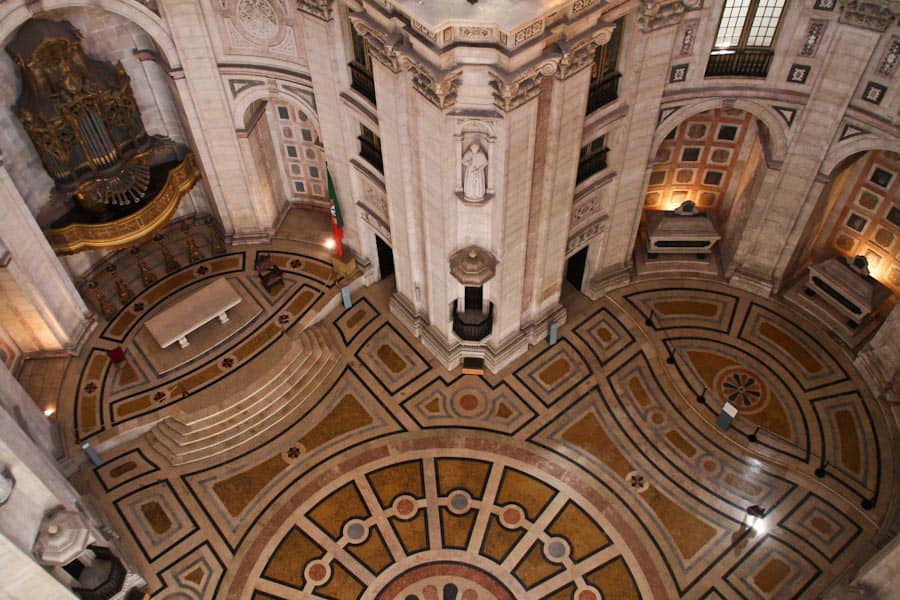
82,118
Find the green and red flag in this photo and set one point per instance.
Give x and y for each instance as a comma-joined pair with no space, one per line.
337,223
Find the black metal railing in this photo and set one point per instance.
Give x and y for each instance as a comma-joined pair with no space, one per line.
361,81
590,165
739,63
473,325
371,153
603,92
111,584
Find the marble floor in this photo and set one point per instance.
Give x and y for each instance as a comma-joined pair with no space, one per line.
316,452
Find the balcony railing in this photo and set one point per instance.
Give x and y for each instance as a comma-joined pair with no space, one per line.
361,81
603,92
371,153
590,165
473,325
111,583
739,63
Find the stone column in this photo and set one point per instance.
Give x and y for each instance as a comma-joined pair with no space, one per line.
558,138
16,401
879,360
210,122
783,204
652,52
328,67
42,301
403,166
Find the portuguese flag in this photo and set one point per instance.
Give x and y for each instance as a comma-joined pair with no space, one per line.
337,223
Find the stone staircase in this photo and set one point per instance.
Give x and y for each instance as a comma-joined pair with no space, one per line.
304,369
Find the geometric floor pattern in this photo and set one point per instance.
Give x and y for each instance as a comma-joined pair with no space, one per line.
590,469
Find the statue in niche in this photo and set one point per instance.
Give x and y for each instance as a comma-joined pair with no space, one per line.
475,163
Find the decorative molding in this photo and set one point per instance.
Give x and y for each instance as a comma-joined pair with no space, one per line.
440,90
664,113
814,32
887,66
580,239
678,73
656,14
874,92
320,9
578,54
870,14
239,85
798,73
372,218
509,95
688,35
850,131
786,113
306,95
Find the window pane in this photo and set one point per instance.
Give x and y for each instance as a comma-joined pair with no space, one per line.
762,31
733,18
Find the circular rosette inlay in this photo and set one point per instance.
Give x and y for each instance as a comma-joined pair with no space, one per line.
743,388
445,580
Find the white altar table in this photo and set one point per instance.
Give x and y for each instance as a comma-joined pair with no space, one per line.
192,312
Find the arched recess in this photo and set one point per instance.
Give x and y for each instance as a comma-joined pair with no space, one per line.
50,281
715,153
775,124
858,210
138,14
292,145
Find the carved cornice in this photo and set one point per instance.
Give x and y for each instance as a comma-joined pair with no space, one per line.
393,51
578,54
513,91
321,9
656,14
870,14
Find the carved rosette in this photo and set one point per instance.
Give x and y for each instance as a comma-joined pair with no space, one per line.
656,14
870,14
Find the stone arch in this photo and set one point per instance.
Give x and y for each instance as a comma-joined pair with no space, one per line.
843,150
301,176
775,125
134,12
247,97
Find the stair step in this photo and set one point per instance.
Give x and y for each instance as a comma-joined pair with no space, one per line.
310,362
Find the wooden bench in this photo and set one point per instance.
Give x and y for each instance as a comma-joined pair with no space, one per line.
192,312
